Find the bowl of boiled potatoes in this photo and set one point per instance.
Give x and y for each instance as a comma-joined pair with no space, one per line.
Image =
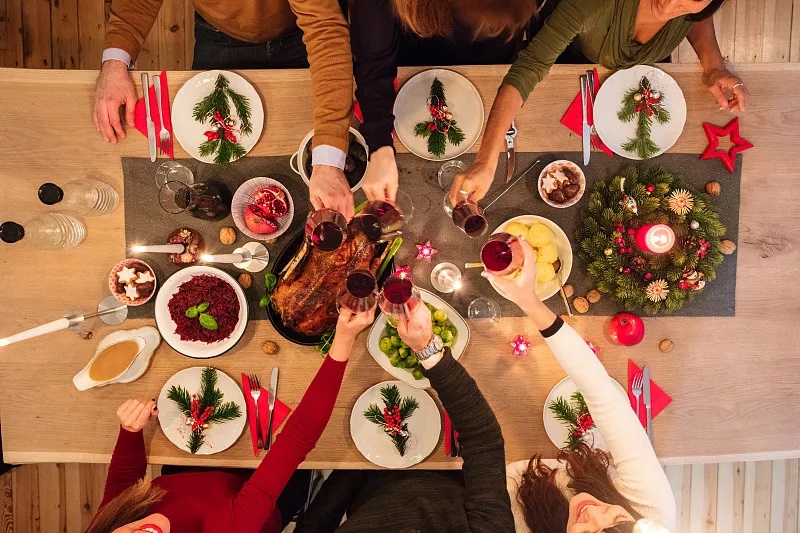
552,247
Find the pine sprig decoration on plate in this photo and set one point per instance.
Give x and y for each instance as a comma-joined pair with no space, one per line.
215,110
644,104
640,196
442,127
575,414
394,415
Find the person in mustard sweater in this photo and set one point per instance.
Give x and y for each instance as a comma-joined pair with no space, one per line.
248,34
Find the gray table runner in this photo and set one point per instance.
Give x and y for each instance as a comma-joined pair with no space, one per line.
147,223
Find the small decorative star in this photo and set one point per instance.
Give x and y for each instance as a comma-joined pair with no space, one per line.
520,346
714,133
548,183
126,275
403,272
426,251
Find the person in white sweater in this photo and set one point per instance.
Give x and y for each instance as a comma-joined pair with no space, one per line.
588,490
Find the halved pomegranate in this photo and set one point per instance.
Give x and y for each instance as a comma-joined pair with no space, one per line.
272,201
258,221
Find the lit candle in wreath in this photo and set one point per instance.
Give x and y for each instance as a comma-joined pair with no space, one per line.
655,238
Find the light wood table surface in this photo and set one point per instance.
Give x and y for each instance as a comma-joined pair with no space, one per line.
734,381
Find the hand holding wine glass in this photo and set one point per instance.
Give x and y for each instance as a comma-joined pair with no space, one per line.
416,328
348,326
522,289
135,414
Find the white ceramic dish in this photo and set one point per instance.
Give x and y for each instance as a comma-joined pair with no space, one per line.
614,133
190,133
556,430
463,100
404,374
197,349
244,196
554,166
218,437
148,340
549,288
424,427
296,160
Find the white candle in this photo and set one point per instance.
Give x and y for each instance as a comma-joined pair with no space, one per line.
222,258
160,249
44,329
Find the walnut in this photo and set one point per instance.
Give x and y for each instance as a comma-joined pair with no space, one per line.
85,334
727,247
593,296
581,304
569,290
270,347
245,280
713,188
666,345
270,241
227,235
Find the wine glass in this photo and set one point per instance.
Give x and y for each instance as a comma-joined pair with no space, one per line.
208,200
360,291
325,229
484,312
446,278
175,172
467,215
399,297
403,202
447,174
502,254
381,220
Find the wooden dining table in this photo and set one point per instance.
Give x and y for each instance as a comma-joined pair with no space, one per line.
734,381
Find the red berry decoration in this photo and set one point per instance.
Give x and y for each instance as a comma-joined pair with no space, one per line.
651,188
648,276
626,270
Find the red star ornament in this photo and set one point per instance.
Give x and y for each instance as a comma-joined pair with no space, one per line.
714,133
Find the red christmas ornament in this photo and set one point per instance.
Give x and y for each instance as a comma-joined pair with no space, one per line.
626,270
520,346
714,133
684,285
648,276
651,188
426,251
620,241
626,329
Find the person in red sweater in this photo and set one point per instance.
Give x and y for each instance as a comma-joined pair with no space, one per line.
220,500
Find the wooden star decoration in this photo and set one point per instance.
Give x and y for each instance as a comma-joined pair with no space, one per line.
426,251
714,133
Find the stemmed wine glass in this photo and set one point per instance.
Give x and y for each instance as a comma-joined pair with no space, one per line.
175,172
208,200
360,291
381,220
325,229
466,214
502,254
399,297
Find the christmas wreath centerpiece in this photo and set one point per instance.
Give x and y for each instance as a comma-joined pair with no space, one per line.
643,103
204,408
575,414
641,280
442,127
214,110
394,415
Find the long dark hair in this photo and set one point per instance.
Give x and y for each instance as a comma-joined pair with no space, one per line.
709,10
546,509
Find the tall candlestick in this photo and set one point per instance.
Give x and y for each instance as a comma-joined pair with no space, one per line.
655,238
222,258
160,249
44,329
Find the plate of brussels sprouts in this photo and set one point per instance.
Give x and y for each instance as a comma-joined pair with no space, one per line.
394,356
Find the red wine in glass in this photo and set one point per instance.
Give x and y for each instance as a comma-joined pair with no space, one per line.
399,297
360,291
325,228
380,221
502,254
469,217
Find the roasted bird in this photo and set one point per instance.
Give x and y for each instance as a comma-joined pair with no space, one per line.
305,297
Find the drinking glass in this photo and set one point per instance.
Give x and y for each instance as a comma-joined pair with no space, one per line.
502,254
446,278
399,297
403,202
467,215
325,229
208,200
172,171
484,312
381,221
447,174
360,292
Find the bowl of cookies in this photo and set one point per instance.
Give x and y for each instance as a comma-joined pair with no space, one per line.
561,184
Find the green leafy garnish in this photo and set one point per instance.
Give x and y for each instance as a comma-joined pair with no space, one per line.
326,340
389,256
192,312
208,322
264,301
271,281
203,307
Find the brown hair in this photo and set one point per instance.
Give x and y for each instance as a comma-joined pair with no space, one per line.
546,509
132,505
486,18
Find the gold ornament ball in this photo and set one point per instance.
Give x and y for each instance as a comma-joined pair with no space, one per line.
245,280
608,251
569,290
270,347
593,296
637,97
727,247
227,235
581,304
666,345
713,188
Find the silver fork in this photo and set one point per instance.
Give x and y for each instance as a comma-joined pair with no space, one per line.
636,389
255,392
595,138
163,135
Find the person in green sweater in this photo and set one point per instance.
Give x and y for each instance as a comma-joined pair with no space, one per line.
617,34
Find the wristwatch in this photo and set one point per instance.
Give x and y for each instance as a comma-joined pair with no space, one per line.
435,346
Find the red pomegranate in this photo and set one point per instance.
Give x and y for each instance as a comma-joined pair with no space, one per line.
626,329
272,201
258,221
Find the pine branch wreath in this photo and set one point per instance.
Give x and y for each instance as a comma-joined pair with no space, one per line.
394,415
644,104
575,414
215,110
442,127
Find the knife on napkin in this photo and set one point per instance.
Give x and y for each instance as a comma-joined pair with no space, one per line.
586,129
151,127
273,393
648,403
511,151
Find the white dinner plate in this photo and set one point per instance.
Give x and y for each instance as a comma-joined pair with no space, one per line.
614,133
190,133
244,196
424,427
557,430
218,437
549,288
404,374
411,107
166,326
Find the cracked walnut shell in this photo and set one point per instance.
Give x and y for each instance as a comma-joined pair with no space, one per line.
581,304
245,280
227,235
593,296
270,347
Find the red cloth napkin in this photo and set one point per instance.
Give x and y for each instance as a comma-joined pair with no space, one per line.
357,107
448,443
281,412
140,118
659,398
573,118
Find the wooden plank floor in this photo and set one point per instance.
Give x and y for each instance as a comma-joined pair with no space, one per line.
752,497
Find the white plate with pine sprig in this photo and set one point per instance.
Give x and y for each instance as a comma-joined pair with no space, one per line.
412,107
238,101
609,100
421,429
224,426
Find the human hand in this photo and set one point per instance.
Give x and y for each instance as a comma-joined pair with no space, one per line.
472,184
114,89
329,189
348,326
135,414
729,90
416,329
380,180
522,289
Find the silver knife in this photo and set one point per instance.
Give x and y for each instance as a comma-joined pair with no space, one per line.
647,405
510,151
587,130
151,127
273,392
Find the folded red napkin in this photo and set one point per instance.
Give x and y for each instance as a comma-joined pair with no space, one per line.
573,118
357,107
448,443
659,398
281,412
140,118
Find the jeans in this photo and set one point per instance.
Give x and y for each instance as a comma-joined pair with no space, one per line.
216,50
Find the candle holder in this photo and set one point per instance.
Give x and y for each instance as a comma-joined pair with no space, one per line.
446,278
655,238
252,257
